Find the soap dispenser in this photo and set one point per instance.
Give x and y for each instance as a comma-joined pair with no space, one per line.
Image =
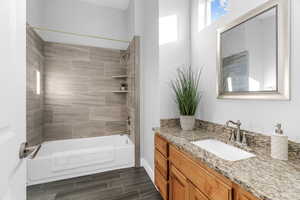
279,144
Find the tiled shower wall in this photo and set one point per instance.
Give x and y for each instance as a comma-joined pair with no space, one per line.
79,101
133,66
34,101
76,98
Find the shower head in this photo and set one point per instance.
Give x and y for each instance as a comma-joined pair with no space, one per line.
124,56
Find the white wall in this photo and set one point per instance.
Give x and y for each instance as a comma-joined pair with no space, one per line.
144,23
174,54
135,14
79,17
259,116
150,79
34,12
131,18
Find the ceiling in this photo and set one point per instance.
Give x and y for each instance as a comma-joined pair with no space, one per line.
118,4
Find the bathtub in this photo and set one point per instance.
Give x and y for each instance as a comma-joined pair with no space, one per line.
63,159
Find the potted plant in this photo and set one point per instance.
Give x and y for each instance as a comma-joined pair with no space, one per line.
187,95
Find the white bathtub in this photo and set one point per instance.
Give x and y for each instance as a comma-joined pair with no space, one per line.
64,159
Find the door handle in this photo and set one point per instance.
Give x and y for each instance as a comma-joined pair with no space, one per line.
28,152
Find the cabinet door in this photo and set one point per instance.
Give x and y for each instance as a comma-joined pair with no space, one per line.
195,194
178,185
213,186
161,184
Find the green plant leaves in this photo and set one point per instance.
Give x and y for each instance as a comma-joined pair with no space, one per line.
185,88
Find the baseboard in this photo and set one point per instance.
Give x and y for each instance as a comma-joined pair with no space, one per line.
148,169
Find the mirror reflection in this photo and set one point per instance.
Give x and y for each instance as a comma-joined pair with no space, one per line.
249,55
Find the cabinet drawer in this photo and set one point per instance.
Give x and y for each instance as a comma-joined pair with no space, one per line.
206,182
161,145
161,163
161,184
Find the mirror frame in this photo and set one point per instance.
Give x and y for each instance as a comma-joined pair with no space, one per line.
283,57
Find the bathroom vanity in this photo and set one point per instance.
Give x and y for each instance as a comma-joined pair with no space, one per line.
184,171
179,177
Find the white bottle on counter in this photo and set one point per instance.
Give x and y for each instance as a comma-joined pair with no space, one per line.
279,144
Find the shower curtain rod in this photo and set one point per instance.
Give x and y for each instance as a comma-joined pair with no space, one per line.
77,34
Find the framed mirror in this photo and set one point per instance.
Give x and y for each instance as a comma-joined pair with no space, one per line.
254,54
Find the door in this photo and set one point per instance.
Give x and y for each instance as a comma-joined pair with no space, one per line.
195,194
178,185
12,98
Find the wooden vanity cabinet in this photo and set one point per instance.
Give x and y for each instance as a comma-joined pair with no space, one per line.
179,177
195,194
242,197
162,146
161,164
178,185
211,184
161,177
240,194
161,184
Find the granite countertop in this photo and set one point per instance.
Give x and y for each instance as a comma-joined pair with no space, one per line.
264,177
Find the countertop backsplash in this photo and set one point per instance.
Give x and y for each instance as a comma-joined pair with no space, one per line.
255,140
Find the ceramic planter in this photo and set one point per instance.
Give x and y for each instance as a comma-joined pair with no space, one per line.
187,122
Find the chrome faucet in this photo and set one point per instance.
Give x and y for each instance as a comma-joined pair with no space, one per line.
237,138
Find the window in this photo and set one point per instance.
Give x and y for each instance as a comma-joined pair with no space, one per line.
38,82
210,11
168,29
218,9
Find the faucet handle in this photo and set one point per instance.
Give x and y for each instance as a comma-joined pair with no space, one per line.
238,123
244,139
232,136
227,124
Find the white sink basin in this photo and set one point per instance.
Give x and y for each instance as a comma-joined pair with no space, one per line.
223,150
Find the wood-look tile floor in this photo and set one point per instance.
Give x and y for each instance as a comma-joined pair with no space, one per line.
124,184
